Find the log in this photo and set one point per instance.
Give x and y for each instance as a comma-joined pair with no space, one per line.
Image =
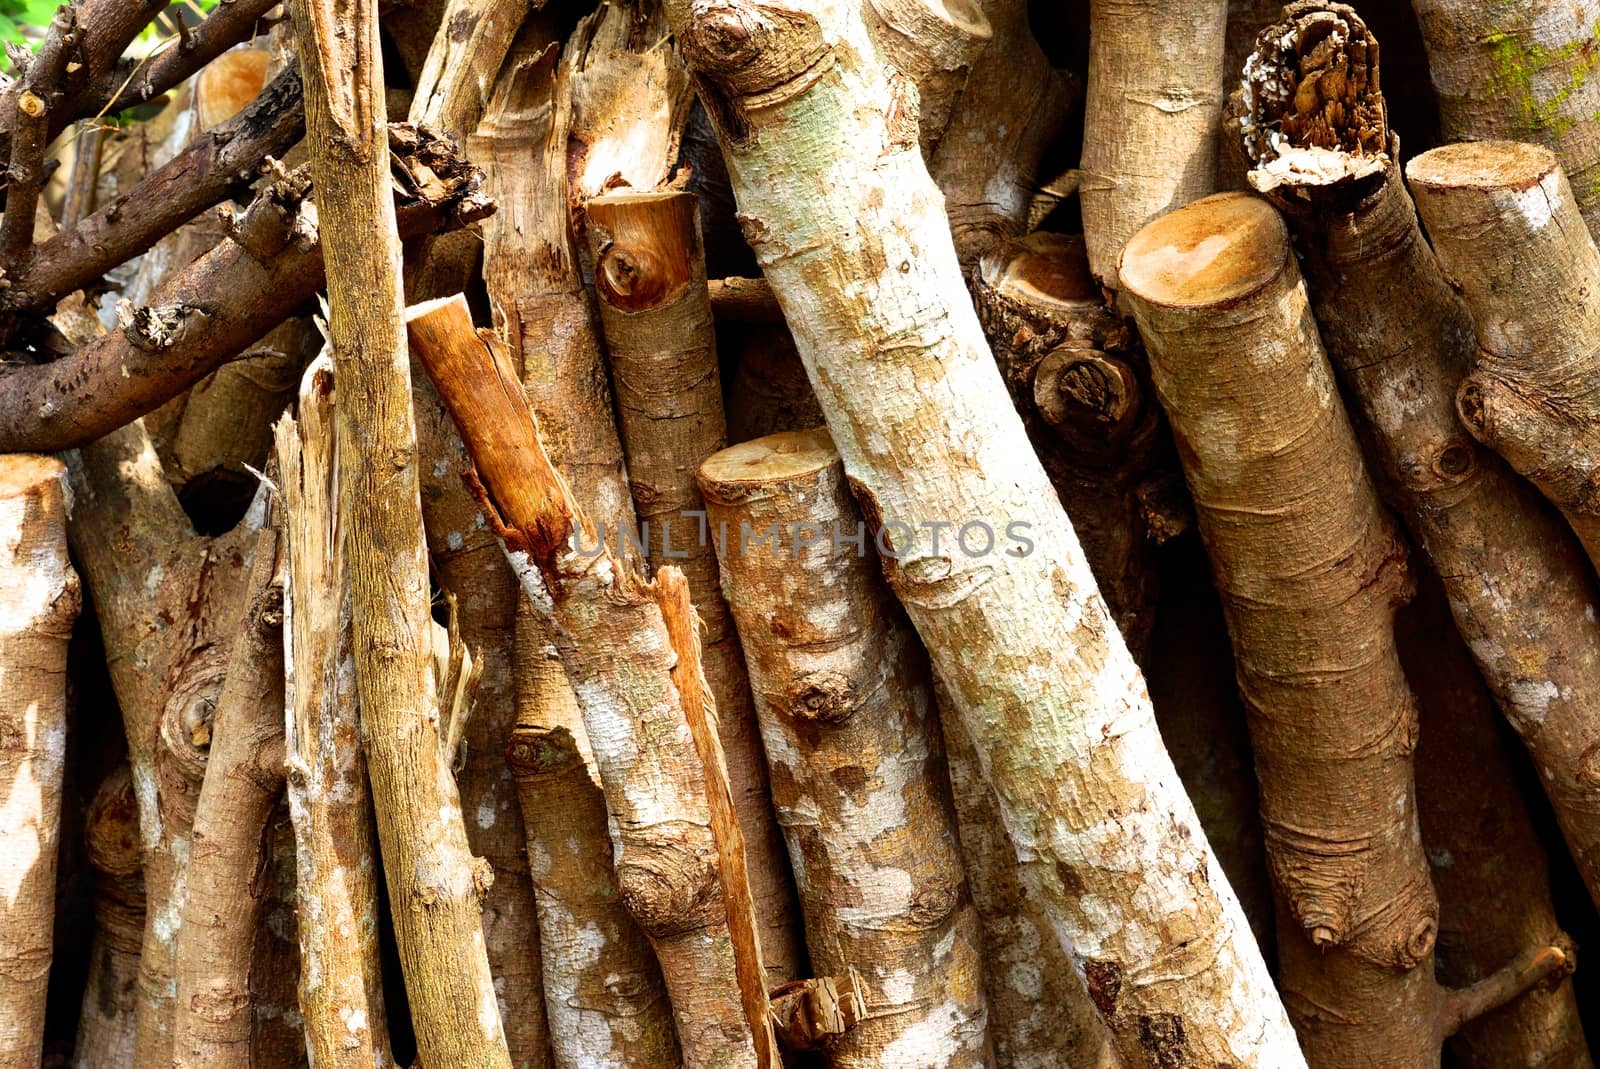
846,709
869,282
336,880
432,877
40,592
655,314
1506,230
110,994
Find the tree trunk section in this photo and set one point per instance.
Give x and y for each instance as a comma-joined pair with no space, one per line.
656,316
435,884
869,282
847,714
39,590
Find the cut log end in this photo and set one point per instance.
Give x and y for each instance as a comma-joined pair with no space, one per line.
1043,270
1483,165
729,475
643,244
30,475
1213,253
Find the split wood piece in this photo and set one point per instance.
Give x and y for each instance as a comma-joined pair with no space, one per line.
1518,586
1154,103
336,879
1505,228
655,314
244,774
744,300
770,392
1310,570
1489,866
630,99
1081,385
434,882
1522,70
615,648
1009,110
1040,1015
839,208
932,42
221,161
456,78
215,308
603,991
110,991
470,567
40,593
852,740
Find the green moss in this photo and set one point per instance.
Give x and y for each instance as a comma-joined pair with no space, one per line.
1517,63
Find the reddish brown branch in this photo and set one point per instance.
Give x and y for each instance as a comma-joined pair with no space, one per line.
32,99
212,310
220,162
1538,965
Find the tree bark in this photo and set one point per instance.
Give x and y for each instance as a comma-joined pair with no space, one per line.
434,882
1040,1015
770,392
216,307
933,44
1488,864
655,314
1517,583
244,774
1310,570
1521,71
40,592
469,564
1506,230
870,284
1153,107
847,714
615,648
1000,125
336,879
110,992
1081,385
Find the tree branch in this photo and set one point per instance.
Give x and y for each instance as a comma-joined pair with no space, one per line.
215,308
32,99
214,167
1538,965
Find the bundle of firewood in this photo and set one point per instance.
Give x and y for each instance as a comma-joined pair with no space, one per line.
911,534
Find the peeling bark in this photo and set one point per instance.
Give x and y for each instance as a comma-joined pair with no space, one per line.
336,879
40,593
615,648
841,212
852,740
435,884
655,313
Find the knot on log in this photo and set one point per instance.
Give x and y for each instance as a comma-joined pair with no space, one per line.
823,697
537,752
156,328
668,882
758,54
